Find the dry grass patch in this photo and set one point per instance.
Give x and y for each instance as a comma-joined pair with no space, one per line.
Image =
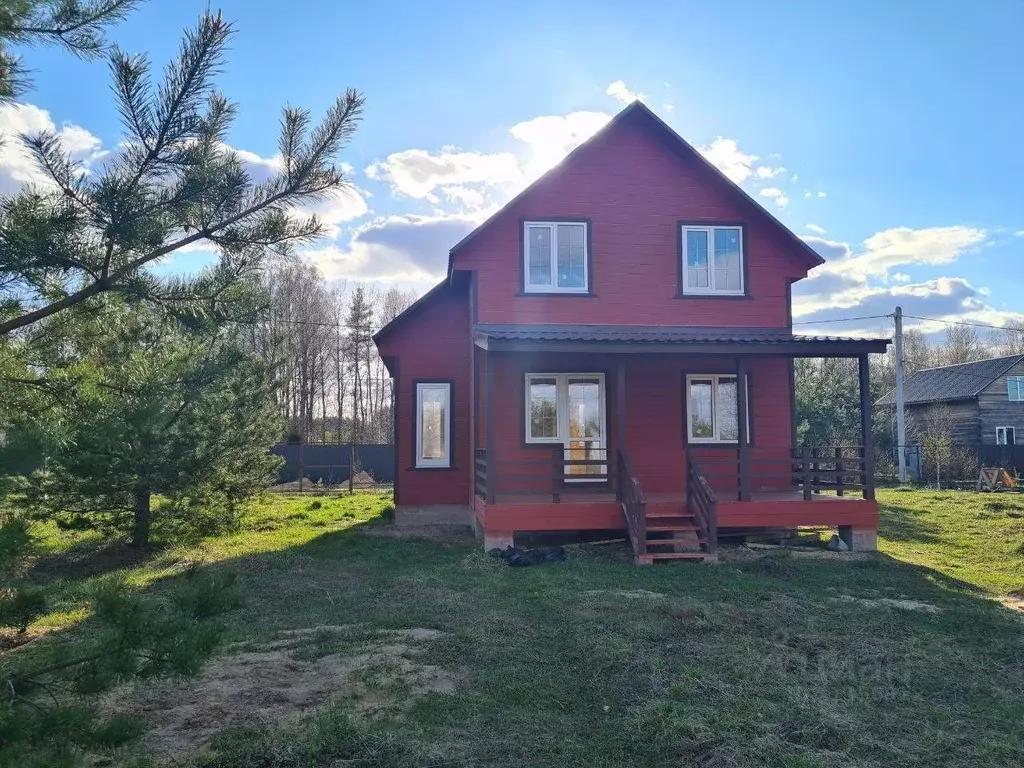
276,683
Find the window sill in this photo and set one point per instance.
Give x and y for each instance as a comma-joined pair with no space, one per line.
559,294
732,296
414,468
691,443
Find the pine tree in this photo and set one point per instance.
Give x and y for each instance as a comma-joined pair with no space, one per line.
149,409
173,183
77,25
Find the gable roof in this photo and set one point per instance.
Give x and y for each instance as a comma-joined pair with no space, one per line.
952,382
642,113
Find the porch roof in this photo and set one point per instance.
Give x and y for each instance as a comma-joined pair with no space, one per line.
661,338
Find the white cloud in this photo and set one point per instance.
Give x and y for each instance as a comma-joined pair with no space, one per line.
794,178
17,168
477,181
619,90
668,106
551,137
900,277
815,228
725,155
406,249
776,194
850,277
822,194
421,174
766,172
1019,233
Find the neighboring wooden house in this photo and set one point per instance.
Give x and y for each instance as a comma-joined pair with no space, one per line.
979,403
614,350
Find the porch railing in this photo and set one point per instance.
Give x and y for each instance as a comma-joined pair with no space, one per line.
810,471
550,473
634,504
702,503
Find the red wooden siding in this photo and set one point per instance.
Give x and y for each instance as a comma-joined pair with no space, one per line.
654,414
634,191
433,346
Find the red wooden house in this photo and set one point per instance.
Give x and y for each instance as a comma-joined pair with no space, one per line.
614,350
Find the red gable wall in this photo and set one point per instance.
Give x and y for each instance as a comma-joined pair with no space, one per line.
634,190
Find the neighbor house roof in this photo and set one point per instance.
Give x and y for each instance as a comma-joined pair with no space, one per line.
754,340
952,382
639,111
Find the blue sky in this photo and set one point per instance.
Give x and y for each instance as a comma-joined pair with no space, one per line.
898,125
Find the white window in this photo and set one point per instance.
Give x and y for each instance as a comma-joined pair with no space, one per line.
1006,436
712,260
1015,387
433,424
555,257
568,409
711,408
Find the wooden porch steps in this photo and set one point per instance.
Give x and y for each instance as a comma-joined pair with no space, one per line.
672,533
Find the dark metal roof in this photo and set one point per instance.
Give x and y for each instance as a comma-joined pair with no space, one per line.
671,335
952,382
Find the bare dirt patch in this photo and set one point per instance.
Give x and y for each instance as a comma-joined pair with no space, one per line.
1014,602
889,602
271,686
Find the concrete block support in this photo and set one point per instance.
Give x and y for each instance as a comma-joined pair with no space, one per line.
497,540
859,539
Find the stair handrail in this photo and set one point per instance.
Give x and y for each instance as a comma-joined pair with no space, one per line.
634,502
702,503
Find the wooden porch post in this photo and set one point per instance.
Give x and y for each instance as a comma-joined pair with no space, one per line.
620,423
489,409
741,418
866,432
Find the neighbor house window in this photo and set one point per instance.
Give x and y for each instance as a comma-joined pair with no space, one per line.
1006,436
433,424
1015,387
711,408
712,260
555,257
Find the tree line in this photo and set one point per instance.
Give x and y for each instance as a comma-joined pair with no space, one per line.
332,384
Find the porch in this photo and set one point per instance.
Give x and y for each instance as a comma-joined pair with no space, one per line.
628,446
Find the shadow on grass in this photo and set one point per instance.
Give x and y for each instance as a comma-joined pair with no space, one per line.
88,559
908,525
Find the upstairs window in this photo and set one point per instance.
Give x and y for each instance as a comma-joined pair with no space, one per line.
712,260
1015,387
555,258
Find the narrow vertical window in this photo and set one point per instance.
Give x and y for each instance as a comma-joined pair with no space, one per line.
433,424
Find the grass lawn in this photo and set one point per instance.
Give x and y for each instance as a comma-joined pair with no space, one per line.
436,655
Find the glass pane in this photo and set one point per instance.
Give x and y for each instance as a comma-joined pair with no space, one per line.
727,259
538,248
701,419
1013,388
697,259
543,408
728,426
1011,436
585,408
572,258
585,450
433,423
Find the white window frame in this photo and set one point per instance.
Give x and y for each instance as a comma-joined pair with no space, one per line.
562,406
1019,381
1005,431
714,407
553,286
446,461
711,290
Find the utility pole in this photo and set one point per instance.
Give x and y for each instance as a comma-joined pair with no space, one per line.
901,434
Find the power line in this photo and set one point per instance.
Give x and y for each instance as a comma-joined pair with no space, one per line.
843,319
965,322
